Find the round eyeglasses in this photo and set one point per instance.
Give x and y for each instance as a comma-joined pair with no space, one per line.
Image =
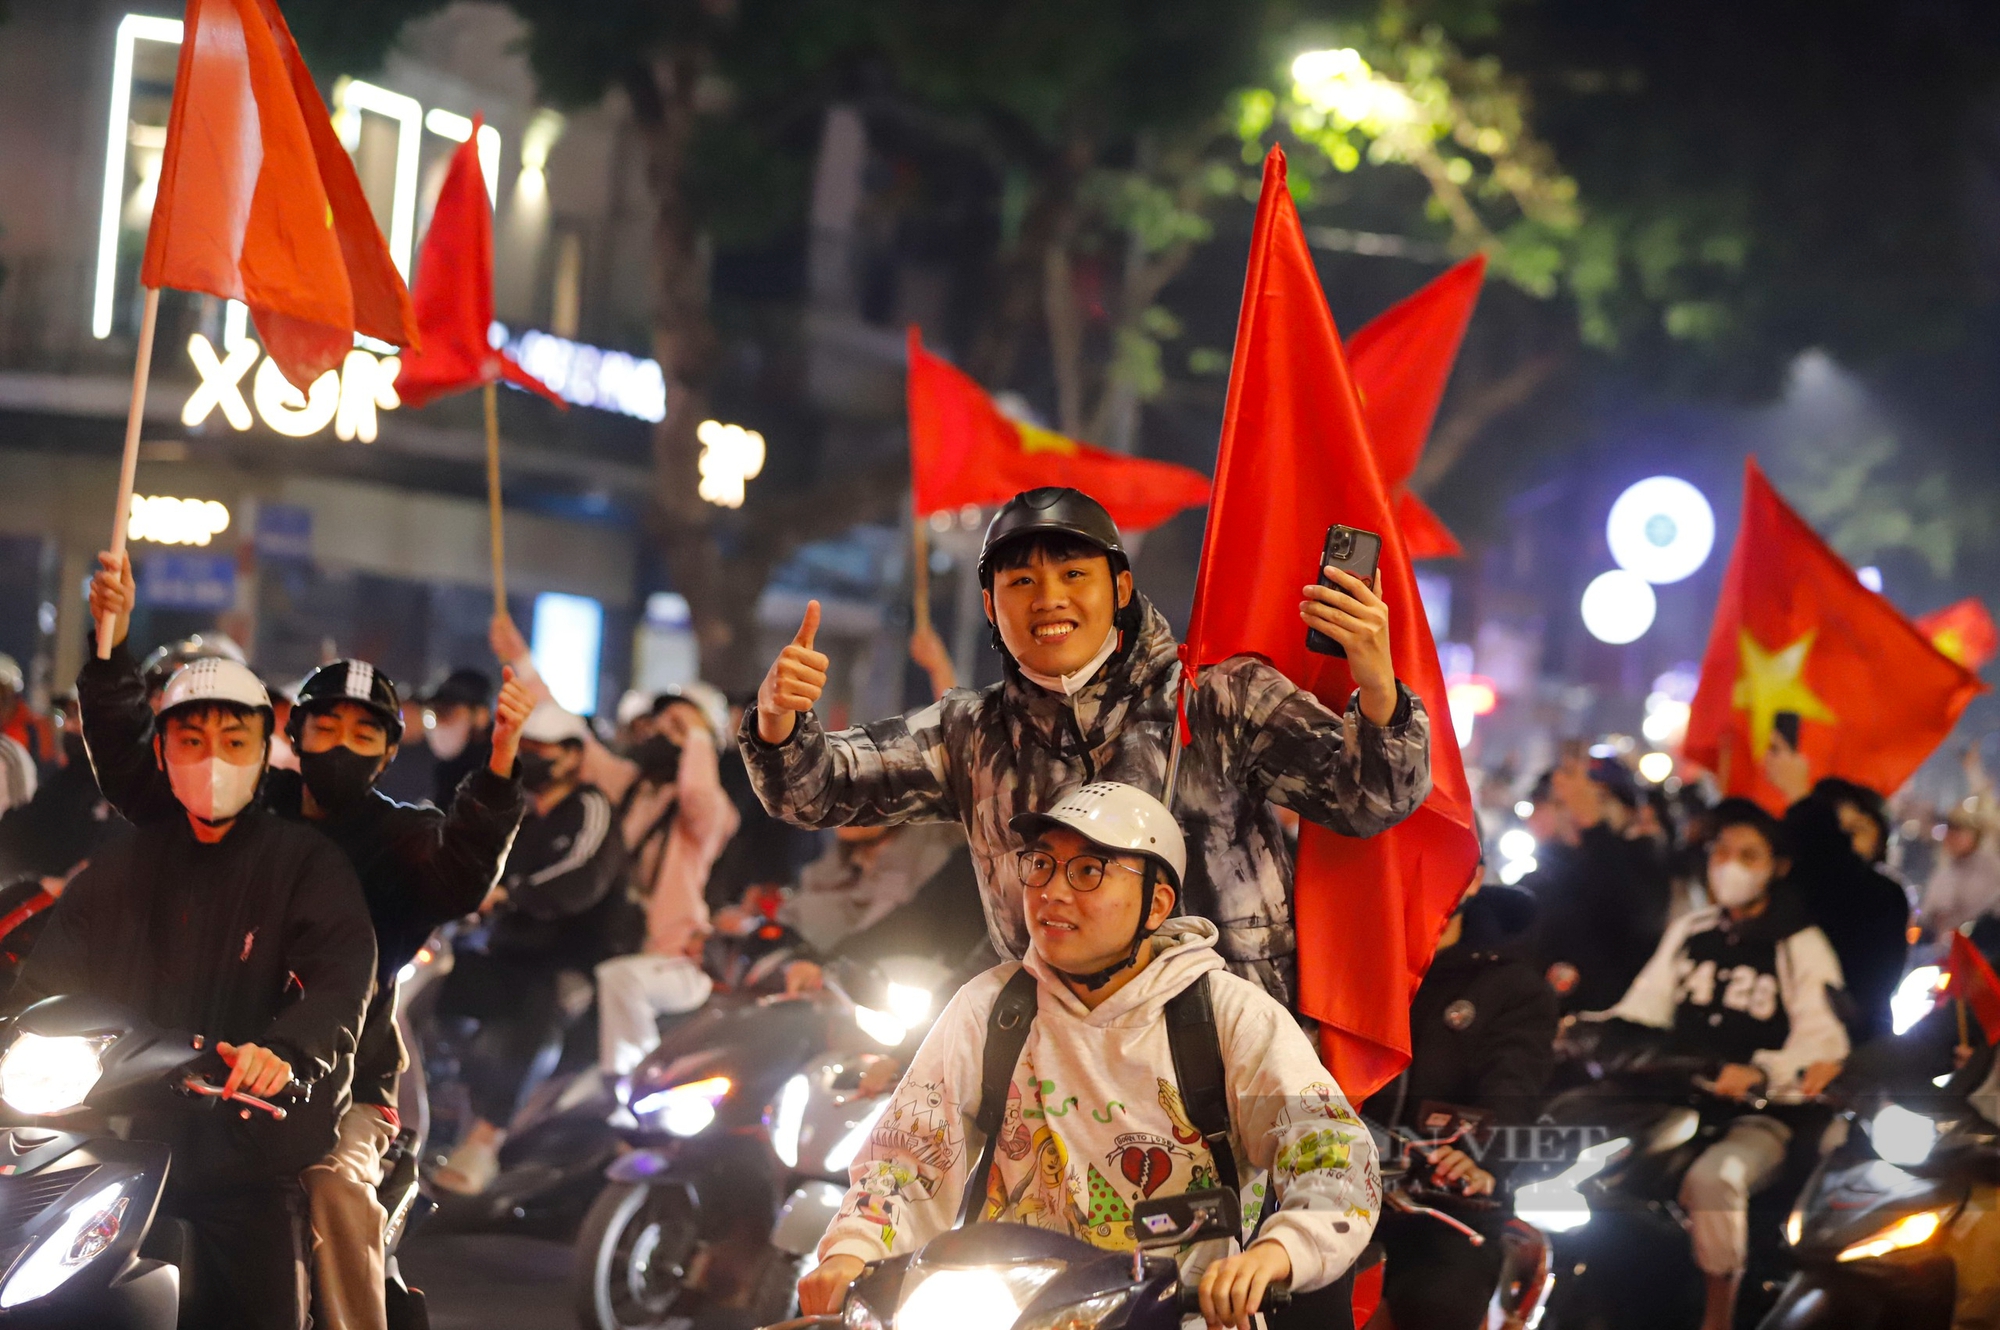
1083,872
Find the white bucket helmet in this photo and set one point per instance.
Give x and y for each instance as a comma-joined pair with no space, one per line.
1119,818
214,679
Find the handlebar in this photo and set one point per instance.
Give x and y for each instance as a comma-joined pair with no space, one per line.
1276,1297
194,1085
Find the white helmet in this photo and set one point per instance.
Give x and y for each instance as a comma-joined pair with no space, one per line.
10,674
214,679
1122,819
550,724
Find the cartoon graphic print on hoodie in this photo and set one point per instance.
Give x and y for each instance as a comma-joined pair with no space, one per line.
980,758
1094,1123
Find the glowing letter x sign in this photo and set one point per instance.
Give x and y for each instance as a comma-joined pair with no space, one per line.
221,382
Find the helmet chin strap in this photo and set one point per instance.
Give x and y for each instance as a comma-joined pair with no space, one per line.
1097,979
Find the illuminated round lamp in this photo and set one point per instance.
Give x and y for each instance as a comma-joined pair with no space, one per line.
1662,529
1656,767
1474,692
1618,607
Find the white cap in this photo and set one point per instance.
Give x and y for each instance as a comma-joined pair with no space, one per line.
1123,819
550,724
214,679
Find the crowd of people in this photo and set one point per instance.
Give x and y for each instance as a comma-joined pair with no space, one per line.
260,865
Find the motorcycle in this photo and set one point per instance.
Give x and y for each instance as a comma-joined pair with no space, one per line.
1019,1277
1872,1229
1605,1191
742,1126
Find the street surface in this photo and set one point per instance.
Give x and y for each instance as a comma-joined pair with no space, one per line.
491,1281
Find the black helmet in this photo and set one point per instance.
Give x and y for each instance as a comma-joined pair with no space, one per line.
348,681
1050,510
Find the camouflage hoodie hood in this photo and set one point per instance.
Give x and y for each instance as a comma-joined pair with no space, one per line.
981,757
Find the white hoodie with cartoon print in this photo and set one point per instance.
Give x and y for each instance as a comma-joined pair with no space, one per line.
1094,1122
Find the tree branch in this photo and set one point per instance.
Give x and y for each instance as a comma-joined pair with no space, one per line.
1473,411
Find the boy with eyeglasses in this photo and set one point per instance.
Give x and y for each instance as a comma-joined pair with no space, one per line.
1093,1119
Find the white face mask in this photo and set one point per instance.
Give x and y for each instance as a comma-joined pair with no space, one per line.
1734,885
214,790
1070,684
448,738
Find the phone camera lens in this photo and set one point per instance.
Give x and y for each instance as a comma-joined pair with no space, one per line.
1343,545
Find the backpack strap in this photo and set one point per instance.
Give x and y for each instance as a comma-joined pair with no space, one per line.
1007,1028
1197,1050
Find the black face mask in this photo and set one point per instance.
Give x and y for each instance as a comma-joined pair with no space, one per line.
339,778
659,759
537,772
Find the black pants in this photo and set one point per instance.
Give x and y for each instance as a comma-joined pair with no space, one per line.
517,1006
1436,1279
246,1266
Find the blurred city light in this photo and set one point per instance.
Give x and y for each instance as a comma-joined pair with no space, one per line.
1524,809
568,636
1618,607
170,521
1666,719
1656,767
132,28
1662,528
1340,83
1518,843
730,455
1870,577
1514,870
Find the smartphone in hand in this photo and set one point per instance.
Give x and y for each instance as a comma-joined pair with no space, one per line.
1352,551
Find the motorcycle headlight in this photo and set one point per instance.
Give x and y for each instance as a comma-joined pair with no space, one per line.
1909,1231
1554,1205
788,1120
91,1225
909,1003
881,1026
1902,1137
978,1298
41,1075
686,1110
1085,1315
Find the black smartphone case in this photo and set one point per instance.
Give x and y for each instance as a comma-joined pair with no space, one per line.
1362,560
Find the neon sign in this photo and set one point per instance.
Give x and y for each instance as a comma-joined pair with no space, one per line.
169,521
347,398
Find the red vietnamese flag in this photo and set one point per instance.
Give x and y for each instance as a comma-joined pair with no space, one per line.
1401,362
454,293
258,201
963,451
1973,982
1295,459
1796,632
1962,630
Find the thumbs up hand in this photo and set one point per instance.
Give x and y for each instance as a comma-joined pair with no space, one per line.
795,681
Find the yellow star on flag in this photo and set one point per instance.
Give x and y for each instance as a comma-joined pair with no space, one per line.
1035,439
1768,682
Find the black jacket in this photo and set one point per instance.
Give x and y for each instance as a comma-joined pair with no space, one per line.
1482,1035
419,868
261,938
561,907
1602,905
1862,911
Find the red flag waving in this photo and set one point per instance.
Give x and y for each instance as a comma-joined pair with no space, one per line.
1295,458
964,451
258,201
1797,638
1974,983
454,293
1401,362
1962,630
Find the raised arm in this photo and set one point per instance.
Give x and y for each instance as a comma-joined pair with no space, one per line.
117,723
1339,769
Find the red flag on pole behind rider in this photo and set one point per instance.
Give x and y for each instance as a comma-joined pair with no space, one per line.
1296,458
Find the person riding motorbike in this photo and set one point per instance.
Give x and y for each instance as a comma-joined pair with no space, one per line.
1091,678
419,868
1482,1033
1095,1118
248,930
1747,983
549,917
458,727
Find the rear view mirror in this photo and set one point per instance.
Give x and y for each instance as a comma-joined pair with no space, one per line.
1175,1221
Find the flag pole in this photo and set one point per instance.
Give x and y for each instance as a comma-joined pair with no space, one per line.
128,473
920,581
493,498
